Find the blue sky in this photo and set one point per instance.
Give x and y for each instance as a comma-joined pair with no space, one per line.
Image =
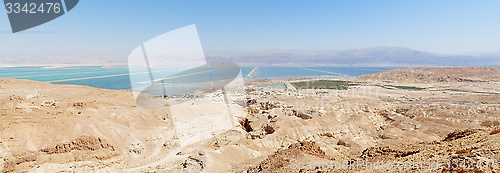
117,26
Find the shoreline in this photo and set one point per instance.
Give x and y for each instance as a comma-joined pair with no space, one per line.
250,83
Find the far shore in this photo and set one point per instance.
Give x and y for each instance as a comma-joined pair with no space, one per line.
59,65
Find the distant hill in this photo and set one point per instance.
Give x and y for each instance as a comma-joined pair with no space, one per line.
61,59
375,56
435,75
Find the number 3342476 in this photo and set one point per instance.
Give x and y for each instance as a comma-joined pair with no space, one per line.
33,8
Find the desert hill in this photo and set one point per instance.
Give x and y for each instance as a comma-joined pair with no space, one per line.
436,75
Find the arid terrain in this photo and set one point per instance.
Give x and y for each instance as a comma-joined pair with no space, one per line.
446,116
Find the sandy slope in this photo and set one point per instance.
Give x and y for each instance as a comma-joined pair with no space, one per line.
44,123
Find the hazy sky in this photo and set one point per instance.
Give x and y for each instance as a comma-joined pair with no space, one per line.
118,26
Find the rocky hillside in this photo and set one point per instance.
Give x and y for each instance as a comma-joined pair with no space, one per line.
436,74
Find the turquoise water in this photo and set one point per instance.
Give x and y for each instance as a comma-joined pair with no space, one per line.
118,77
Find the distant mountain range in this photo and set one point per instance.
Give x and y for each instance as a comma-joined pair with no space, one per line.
374,56
62,59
